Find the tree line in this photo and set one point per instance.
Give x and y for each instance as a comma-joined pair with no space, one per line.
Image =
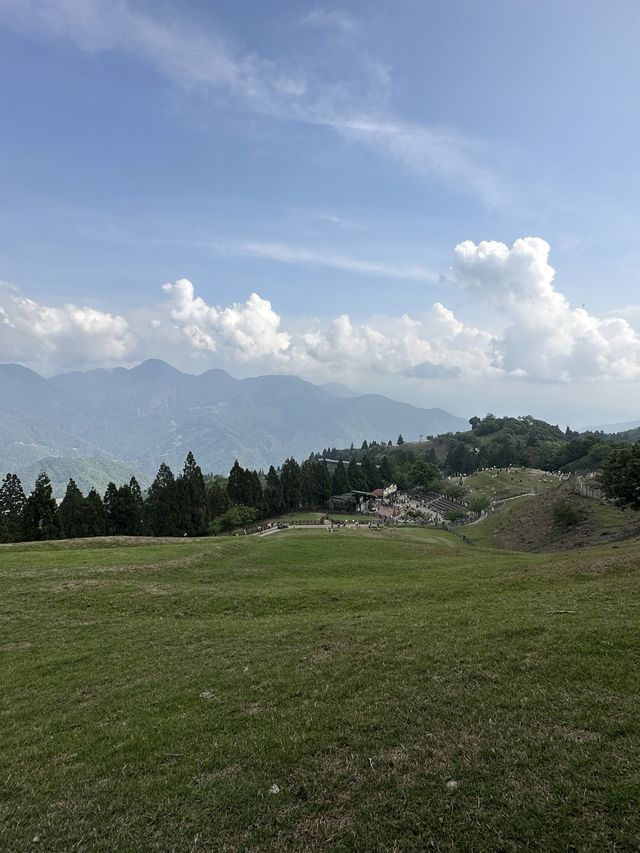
188,504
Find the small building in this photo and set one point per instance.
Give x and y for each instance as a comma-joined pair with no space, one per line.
355,501
342,503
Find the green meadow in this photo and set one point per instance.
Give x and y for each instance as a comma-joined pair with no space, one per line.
387,691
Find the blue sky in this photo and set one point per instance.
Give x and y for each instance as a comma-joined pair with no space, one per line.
329,159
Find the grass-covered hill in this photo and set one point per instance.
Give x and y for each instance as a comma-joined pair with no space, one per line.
555,520
305,691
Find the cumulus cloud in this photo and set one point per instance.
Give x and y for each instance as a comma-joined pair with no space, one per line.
58,338
546,338
250,329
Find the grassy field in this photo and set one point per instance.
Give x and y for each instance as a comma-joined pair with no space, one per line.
507,482
305,691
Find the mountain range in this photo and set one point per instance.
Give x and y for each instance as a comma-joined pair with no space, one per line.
95,425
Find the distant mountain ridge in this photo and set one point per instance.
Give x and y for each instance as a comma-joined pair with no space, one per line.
136,418
611,429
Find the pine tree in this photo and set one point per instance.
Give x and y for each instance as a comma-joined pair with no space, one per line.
386,474
94,514
12,501
40,515
73,512
291,485
273,493
400,441
323,482
240,485
257,497
193,498
340,483
356,477
218,501
135,507
110,503
160,506
370,474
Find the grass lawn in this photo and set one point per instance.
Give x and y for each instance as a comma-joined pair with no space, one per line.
303,516
507,482
383,691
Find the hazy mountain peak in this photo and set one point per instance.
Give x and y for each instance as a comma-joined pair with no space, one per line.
155,368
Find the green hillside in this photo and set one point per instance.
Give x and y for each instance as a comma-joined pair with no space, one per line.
360,691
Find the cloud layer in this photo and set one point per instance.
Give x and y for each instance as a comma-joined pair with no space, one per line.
543,339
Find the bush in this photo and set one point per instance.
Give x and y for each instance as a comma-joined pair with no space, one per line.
236,516
455,491
479,503
565,515
456,515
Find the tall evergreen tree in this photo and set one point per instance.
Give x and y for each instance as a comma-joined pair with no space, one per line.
273,493
40,515
257,497
322,481
137,505
73,512
307,490
340,482
160,506
370,474
193,498
356,477
12,501
386,474
110,503
240,486
218,501
94,514
291,485
4,530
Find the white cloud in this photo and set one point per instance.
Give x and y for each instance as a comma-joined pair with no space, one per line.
547,339
544,338
57,338
250,330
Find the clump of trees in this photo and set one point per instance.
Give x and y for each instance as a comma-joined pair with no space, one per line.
620,477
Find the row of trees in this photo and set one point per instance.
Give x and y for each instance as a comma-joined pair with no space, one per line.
173,506
178,506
